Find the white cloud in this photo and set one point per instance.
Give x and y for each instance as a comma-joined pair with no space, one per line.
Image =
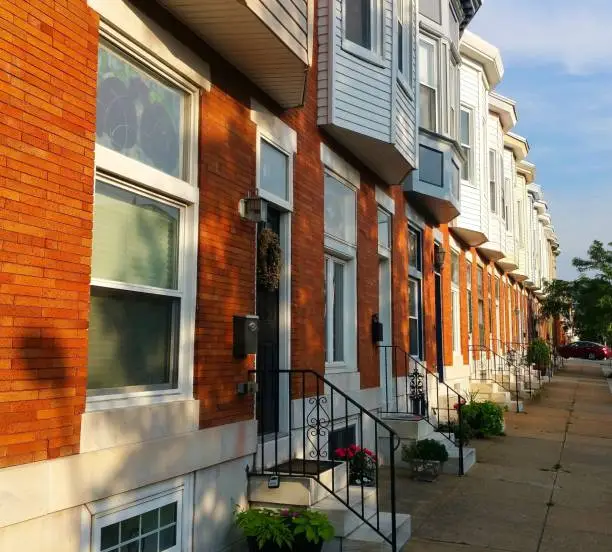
575,34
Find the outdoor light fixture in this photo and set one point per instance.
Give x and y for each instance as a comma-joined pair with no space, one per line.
439,256
253,208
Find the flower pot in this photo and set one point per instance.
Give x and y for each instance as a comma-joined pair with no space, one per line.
424,470
300,544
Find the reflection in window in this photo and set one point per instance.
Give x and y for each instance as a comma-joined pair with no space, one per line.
340,210
429,85
431,167
138,115
358,22
274,170
384,229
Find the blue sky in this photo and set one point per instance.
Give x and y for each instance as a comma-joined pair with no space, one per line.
558,67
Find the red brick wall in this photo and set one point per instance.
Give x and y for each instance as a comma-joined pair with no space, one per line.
48,61
399,267
465,330
429,299
447,306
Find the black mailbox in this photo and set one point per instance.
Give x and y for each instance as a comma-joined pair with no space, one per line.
377,330
246,328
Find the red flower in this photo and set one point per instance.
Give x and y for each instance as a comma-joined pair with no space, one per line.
340,453
368,452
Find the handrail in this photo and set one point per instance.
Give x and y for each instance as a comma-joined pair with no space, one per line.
302,447
421,395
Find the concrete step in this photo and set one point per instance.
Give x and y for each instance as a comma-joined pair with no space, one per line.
409,427
341,517
365,534
295,490
451,466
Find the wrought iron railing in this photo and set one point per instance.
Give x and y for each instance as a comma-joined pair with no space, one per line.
410,389
508,372
304,410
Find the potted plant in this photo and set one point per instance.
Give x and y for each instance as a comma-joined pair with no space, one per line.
299,530
539,354
425,458
361,464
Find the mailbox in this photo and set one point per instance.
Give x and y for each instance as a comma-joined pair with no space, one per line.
246,328
377,330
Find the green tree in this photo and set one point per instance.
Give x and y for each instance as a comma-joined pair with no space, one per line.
585,304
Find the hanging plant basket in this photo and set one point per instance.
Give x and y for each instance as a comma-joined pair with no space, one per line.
268,260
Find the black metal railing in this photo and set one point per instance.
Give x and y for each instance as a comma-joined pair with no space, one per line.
308,411
410,389
510,372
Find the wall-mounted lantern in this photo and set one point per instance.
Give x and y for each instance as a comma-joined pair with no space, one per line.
439,256
253,208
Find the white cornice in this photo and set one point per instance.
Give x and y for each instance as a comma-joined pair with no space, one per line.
518,145
527,169
475,48
505,108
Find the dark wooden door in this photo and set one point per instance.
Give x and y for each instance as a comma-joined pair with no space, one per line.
268,346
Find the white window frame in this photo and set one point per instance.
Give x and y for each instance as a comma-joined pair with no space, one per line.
373,55
118,169
405,17
456,305
470,309
385,251
281,137
435,44
453,95
337,168
416,274
120,507
471,181
492,172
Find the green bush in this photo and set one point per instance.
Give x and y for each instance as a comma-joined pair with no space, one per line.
463,431
426,449
539,354
485,419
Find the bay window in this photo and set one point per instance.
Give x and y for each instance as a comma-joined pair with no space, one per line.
428,78
404,41
144,231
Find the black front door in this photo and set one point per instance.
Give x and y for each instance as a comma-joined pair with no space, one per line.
439,322
268,345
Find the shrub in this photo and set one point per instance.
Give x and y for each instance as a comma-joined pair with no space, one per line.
426,449
485,419
463,431
539,354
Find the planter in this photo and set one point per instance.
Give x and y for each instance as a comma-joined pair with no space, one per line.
424,470
299,545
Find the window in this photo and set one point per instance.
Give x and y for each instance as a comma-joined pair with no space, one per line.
335,284
384,229
453,96
274,170
479,289
143,271
404,41
415,298
492,181
519,216
340,274
466,144
508,205
152,519
415,309
361,21
490,306
469,298
414,251
431,166
455,302
428,77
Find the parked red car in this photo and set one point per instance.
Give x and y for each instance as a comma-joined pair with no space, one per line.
586,349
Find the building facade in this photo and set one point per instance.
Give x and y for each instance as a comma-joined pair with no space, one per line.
344,171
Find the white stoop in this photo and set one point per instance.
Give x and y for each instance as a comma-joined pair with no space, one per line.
416,429
494,392
351,532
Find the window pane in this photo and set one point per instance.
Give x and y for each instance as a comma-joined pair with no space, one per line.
414,310
456,320
327,313
167,538
167,514
338,312
466,130
431,9
339,210
428,108
468,271
131,547
414,253
135,238
149,521
400,35
455,268
427,64
358,20
466,169
384,229
138,115
149,543
274,170
430,166
470,313
130,528
414,337
131,339
493,196
109,536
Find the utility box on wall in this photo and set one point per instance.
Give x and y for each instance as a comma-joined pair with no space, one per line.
246,329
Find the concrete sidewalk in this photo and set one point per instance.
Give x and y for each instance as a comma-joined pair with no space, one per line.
545,487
